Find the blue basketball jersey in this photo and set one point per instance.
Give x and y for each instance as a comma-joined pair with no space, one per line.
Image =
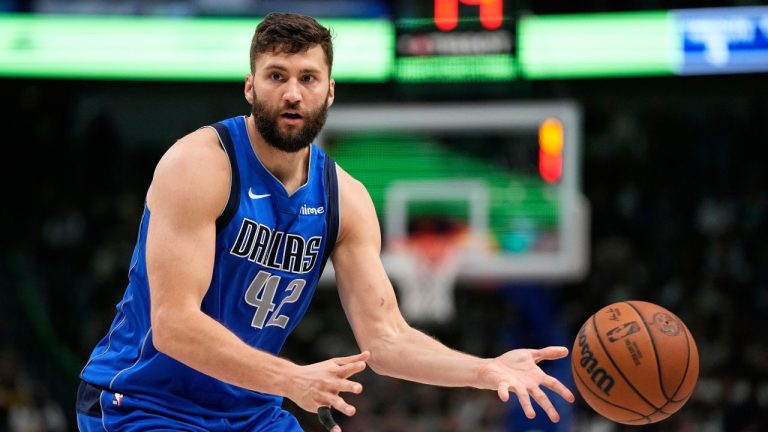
271,248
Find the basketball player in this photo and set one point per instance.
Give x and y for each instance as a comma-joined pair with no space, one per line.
239,221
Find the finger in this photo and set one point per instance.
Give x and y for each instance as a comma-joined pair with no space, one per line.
342,406
525,402
503,391
541,398
325,417
550,353
363,356
350,387
556,386
348,370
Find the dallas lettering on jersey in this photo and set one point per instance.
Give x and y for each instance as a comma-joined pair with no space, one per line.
276,249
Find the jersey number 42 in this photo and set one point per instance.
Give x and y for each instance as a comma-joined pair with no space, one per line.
261,295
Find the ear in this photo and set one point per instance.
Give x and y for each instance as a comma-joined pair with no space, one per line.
248,91
331,90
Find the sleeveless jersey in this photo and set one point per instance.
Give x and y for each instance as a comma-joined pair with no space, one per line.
270,251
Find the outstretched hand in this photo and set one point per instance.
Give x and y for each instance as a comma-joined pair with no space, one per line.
319,384
518,371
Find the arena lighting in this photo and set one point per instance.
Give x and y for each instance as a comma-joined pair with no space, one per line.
162,48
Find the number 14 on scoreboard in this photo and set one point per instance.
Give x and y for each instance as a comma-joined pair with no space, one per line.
447,13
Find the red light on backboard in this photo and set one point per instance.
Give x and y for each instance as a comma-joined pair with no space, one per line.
551,142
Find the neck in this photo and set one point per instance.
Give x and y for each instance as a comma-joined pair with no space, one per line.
289,168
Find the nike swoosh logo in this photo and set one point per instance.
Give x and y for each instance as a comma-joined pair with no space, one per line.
256,196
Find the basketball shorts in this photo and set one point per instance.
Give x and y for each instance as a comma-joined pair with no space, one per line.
102,410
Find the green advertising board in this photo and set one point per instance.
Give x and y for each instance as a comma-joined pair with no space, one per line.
197,49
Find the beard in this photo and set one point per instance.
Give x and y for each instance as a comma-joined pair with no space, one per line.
291,139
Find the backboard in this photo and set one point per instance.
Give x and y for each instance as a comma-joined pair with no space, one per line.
506,173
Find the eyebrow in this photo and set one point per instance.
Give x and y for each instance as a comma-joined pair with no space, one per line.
285,69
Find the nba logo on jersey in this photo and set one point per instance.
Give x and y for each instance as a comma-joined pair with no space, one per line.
117,399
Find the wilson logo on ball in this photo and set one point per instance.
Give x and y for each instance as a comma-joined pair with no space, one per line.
588,362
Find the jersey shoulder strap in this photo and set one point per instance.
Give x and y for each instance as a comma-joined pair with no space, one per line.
234,191
332,215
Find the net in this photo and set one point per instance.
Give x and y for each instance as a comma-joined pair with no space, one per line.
434,259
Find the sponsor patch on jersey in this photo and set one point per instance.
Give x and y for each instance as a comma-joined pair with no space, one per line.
309,210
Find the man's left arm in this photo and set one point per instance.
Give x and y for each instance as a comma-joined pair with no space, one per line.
398,350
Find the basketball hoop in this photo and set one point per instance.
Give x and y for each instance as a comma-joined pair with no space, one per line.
426,290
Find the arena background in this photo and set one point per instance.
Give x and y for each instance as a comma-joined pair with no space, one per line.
673,168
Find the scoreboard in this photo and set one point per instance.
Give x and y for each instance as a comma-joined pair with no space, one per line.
454,40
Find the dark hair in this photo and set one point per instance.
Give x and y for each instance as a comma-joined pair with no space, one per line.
290,33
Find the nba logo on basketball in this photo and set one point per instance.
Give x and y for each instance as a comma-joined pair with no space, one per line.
117,399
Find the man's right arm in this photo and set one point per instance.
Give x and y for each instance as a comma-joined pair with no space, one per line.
189,190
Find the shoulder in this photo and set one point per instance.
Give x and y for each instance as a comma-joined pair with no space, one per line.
349,187
200,147
194,173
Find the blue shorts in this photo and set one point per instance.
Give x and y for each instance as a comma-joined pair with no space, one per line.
104,411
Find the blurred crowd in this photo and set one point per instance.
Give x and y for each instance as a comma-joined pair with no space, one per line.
677,186
678,198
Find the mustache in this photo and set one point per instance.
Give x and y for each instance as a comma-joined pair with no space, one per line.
292,139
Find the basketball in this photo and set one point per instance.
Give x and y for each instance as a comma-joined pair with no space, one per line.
635,362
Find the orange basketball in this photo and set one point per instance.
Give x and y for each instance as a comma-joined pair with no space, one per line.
635,362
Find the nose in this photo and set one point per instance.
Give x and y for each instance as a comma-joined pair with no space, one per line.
292,93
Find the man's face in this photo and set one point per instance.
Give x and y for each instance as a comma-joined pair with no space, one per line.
290,95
